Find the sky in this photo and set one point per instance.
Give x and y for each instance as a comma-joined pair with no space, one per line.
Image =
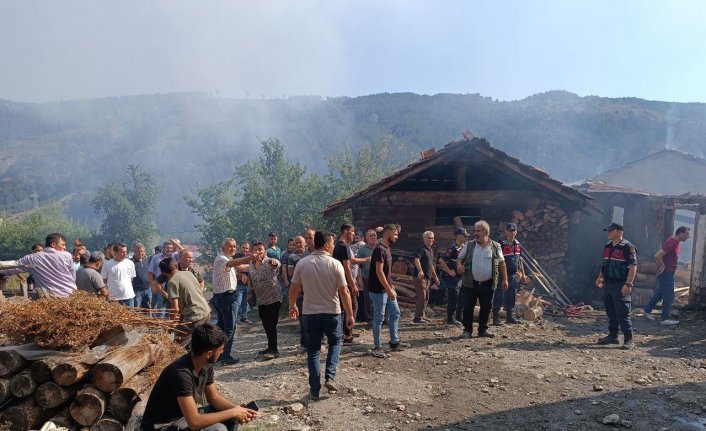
507,50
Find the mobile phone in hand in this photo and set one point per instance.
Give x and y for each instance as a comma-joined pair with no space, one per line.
252,405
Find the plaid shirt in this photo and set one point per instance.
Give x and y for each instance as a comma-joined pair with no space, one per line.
224,279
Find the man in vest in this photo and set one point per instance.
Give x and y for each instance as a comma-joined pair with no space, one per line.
512,250
617,274
481,263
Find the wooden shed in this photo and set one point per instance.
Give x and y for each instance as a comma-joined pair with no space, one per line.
472,180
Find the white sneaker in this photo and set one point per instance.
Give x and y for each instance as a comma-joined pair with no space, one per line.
646,315
669,322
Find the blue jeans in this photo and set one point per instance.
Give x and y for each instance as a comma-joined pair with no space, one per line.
617,307
381,304
316,326
242,291
160,304
665,292
143,298
227,306
128,302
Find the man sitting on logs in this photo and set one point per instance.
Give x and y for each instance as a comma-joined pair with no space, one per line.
186,384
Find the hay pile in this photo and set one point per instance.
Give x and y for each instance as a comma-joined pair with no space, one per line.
72,323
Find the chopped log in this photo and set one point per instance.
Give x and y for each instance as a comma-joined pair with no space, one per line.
404,292
63,419
533,313
4,390
88,406
108,423
120,365
50,394
22,384
10,363
135,421
69,372
123,400
25,416
400,267
42,369
402,277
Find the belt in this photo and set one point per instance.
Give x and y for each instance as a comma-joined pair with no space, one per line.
482,283
229,292
616,280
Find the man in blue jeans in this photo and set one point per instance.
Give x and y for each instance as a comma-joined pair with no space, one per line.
667,258
322,280
382,293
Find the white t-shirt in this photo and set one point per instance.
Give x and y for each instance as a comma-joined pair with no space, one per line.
119,276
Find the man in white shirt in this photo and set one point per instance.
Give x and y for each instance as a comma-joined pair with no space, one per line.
117,274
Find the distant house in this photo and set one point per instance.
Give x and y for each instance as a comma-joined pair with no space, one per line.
666,172
470,180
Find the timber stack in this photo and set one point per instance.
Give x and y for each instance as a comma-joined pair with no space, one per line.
94,386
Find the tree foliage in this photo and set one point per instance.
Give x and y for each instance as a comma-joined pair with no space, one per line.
275,194
128,209
18,234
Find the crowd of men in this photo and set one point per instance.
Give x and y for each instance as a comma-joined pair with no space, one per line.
329,282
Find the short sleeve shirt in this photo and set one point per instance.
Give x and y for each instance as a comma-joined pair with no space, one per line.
320,276
381,253
617,260
365,251
192,304
274,252
224,278
426,261
89,280
450,257
265,283
177,380
140,282
292,259
671,248
119,276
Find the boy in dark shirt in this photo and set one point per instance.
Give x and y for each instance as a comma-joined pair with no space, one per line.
187,383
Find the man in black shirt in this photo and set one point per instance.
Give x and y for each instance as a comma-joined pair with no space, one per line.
617,274
186,384
141,283
343,253
424,276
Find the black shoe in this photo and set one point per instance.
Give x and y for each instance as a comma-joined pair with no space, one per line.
230,361
313,396
399,346
608,340
348,341
415,320
453,322
486,334
628,344
497,322
271,354
512,321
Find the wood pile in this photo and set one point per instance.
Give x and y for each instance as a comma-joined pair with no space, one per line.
544,228
77,395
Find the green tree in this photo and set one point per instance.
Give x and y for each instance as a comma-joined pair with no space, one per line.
19,233
128,208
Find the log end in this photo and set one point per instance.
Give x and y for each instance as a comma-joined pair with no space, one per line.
107,377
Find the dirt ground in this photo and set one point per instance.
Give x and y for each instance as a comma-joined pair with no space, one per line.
548,375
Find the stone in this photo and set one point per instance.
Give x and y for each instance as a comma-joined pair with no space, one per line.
400,407
296,407
273,419
597,388
577,411
300,428
611,419
368,409
641,381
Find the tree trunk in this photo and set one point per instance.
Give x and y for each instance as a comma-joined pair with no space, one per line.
4,390
43,368
69,372
108,423
88,406
50,394
63,419
25,416
120,365
22,384
123,400
10,363
135,421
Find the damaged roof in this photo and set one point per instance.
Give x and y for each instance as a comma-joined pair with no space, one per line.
452,151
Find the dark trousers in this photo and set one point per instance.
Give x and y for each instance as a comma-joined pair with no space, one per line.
506,298
269,314
367,304
348,332
455,305
316,327
481,292
617,307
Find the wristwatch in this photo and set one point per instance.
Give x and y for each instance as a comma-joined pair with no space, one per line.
628,284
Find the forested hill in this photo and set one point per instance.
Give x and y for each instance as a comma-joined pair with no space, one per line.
71,148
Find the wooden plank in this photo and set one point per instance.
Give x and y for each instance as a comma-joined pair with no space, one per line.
483,198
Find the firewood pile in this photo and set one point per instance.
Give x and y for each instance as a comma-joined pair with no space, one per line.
90,374
544,228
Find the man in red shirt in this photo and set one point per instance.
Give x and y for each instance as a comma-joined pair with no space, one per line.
667,258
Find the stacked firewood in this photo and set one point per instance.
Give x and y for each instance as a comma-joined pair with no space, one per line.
74,394
544,228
